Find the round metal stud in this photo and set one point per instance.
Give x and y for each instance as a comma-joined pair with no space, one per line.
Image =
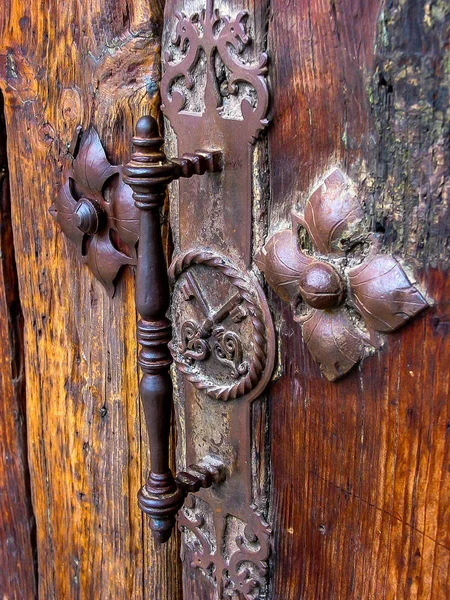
321,286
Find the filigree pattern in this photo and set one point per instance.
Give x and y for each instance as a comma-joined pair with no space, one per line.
339,320
222,41
96,211
231,553
228,349
226,346
192,346
246,375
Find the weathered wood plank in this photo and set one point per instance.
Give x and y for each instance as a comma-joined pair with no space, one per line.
17,533
61,64
361,508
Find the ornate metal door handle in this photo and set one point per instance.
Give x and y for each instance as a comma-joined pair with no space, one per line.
90,207
208,313
223,341
148,174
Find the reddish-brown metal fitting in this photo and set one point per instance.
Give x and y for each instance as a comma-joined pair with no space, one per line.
148,174
95,210
378,287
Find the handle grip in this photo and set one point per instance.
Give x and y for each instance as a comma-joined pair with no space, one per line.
148,174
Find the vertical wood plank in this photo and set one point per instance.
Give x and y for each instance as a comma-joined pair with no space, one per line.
17,527
64,64
361,508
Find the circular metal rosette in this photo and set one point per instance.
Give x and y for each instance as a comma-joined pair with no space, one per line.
223,336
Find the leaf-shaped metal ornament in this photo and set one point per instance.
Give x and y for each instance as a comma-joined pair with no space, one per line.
92,203
91,168
63,211
123,214
283,263
105,260
332,214
378,287
383,293
334,341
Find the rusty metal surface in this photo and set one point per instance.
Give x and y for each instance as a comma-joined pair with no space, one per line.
213,301
95,201
342,289
95,210
213,98
215,95
148,174
222,326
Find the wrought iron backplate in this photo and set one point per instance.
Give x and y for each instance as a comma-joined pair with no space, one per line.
96,211
344,290
215,99
215,95
223,348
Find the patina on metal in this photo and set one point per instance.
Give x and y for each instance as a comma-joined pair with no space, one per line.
221,326
213,97
95,210
214,93
148,174
342,298
223,345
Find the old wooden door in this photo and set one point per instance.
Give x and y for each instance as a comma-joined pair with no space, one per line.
73,442
350,226
361,507
353,474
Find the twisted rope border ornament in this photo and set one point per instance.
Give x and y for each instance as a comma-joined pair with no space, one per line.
225,392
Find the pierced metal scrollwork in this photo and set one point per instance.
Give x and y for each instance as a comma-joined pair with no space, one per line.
198,341
237,89
192,346
214,92
96,211
228,350
231,553
341,297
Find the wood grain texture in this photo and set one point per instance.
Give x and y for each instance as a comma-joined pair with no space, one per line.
63,64
17,532
360,467
360,485
321,55
362,509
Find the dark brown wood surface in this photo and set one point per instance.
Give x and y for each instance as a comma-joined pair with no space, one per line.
360,484
64,64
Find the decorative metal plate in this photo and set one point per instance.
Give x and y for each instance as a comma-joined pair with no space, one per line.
222,326
343,289
215,95
96,211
